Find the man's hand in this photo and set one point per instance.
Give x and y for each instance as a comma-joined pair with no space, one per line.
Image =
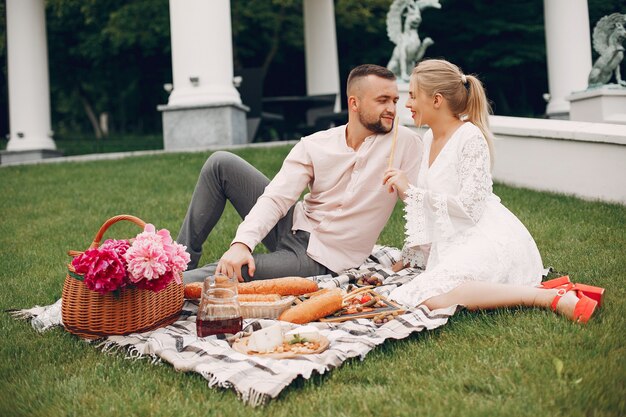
233,259
396,180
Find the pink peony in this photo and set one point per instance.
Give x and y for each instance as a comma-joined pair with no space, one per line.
119,246
179,258
103,270
155,285
146,259
150,261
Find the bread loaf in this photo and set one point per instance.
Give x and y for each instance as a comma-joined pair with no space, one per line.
314,308
255,298
281,286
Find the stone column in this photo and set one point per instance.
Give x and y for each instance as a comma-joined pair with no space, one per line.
320,39
568,48
29,91
204,108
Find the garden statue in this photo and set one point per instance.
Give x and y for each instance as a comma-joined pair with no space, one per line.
409,48
608,36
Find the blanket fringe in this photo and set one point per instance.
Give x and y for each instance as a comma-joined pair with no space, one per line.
214,381
251,397
20,314
130,351
256,398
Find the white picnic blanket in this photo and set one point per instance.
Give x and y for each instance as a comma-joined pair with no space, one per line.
256,379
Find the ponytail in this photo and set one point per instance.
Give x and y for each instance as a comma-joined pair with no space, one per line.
477,110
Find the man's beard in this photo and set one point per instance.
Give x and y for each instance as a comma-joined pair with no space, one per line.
376,127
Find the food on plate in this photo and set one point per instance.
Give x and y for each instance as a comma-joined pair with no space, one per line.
256,298
273,341
266,339
193,290
363,302
314,308
303,334
385,317
281,286
369,280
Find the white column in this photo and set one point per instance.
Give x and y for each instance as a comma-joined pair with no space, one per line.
568,48
320,40
29,91
202,53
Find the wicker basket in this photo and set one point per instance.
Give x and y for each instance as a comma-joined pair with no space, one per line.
91,315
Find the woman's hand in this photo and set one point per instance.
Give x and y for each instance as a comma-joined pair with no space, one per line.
398,266
396,180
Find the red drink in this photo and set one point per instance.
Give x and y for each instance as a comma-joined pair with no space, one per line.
217,326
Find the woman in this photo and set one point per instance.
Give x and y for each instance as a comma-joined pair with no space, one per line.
476,252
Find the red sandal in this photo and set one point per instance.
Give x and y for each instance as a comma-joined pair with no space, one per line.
595,293
584,308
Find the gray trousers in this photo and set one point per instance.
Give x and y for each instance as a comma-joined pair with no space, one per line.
227,176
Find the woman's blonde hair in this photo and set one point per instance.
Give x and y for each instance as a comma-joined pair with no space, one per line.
465,94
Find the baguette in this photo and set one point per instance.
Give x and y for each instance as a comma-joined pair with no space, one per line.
281,286
314,308
255,298
193,290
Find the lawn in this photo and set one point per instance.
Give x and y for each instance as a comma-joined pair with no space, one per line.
504,363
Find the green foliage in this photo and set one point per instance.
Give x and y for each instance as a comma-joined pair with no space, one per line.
512,362
114,56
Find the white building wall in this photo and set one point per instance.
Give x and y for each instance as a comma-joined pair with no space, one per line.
580,158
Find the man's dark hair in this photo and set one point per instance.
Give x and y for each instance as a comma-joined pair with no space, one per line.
369,69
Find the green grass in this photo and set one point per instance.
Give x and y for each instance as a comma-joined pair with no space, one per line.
481,364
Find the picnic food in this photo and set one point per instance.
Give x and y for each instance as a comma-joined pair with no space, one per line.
369,280
267,339
255,298
314,308
269,309
193,290
273,342
303,333
361,301
385,317
282,286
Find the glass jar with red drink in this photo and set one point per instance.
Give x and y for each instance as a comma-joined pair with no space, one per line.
219,311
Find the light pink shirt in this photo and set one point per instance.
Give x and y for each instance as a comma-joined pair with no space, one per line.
347,206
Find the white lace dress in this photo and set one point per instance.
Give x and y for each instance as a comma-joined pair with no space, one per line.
458,228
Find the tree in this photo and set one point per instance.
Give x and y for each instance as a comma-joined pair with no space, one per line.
104,58
114,56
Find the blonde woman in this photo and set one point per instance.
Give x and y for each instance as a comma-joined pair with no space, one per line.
475,251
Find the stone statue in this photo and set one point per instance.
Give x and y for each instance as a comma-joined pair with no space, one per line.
608,36
409,48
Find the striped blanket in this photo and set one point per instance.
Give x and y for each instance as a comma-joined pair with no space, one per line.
257,379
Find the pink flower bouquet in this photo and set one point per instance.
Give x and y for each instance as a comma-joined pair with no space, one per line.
149,261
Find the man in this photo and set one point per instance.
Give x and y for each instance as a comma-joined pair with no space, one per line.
336,225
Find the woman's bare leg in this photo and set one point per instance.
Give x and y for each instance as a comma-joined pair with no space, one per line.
477,295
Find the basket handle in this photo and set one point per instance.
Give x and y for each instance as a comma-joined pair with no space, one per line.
105,227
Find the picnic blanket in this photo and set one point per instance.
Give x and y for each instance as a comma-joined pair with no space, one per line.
256,379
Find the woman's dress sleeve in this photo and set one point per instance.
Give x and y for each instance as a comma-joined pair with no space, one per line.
432,217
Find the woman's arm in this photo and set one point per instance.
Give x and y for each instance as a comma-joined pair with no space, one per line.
435,216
